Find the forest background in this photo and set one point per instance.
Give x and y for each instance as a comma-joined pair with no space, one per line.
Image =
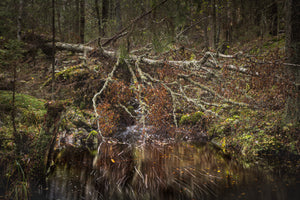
223,71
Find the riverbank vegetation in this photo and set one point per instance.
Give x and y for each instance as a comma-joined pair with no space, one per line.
212,71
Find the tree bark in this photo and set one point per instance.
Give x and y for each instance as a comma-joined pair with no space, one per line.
19,19
274,19
13,112
98,17
51,128
82,20
206,39
70,47
105,9
59,24
149,61
47,137
293,55
53,48
214,25
77,21
118,15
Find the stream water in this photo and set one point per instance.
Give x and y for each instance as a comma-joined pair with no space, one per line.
164,171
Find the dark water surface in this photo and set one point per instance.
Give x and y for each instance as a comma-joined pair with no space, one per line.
177,171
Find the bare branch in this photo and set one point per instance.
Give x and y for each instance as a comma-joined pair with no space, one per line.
191,26
126,109
187,77
108,79
121,32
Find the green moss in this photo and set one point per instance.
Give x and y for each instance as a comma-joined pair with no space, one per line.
82,105
31,117
22,101
184,119
131,110
30,108
94,133
191,119
275,43
66,74
255,133
123,51
197,116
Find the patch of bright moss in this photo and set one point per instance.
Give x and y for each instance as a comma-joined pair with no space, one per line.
32,109
22,101
66,74
131,110
274,43
253,132
191,118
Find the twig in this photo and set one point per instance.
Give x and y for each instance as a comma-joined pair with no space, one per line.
108,79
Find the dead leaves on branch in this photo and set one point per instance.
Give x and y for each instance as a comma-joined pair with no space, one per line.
108,118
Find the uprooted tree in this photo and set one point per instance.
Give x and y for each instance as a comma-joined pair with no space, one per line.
158,90
145,88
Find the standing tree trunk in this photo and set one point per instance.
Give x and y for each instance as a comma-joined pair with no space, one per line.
228,22
98,16
60,10
293,55
274,19
118,15
19,19
53,48
205,28
77,21
13,113
214,21
82,21
105,8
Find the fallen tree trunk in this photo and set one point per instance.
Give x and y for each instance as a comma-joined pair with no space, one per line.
71,47
196,64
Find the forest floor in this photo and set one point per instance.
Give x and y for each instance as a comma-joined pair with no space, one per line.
249,132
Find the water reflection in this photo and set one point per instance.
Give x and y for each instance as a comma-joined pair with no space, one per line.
177,171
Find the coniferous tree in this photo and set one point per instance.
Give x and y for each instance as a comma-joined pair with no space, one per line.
53,48
293,54
105,12
82,21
